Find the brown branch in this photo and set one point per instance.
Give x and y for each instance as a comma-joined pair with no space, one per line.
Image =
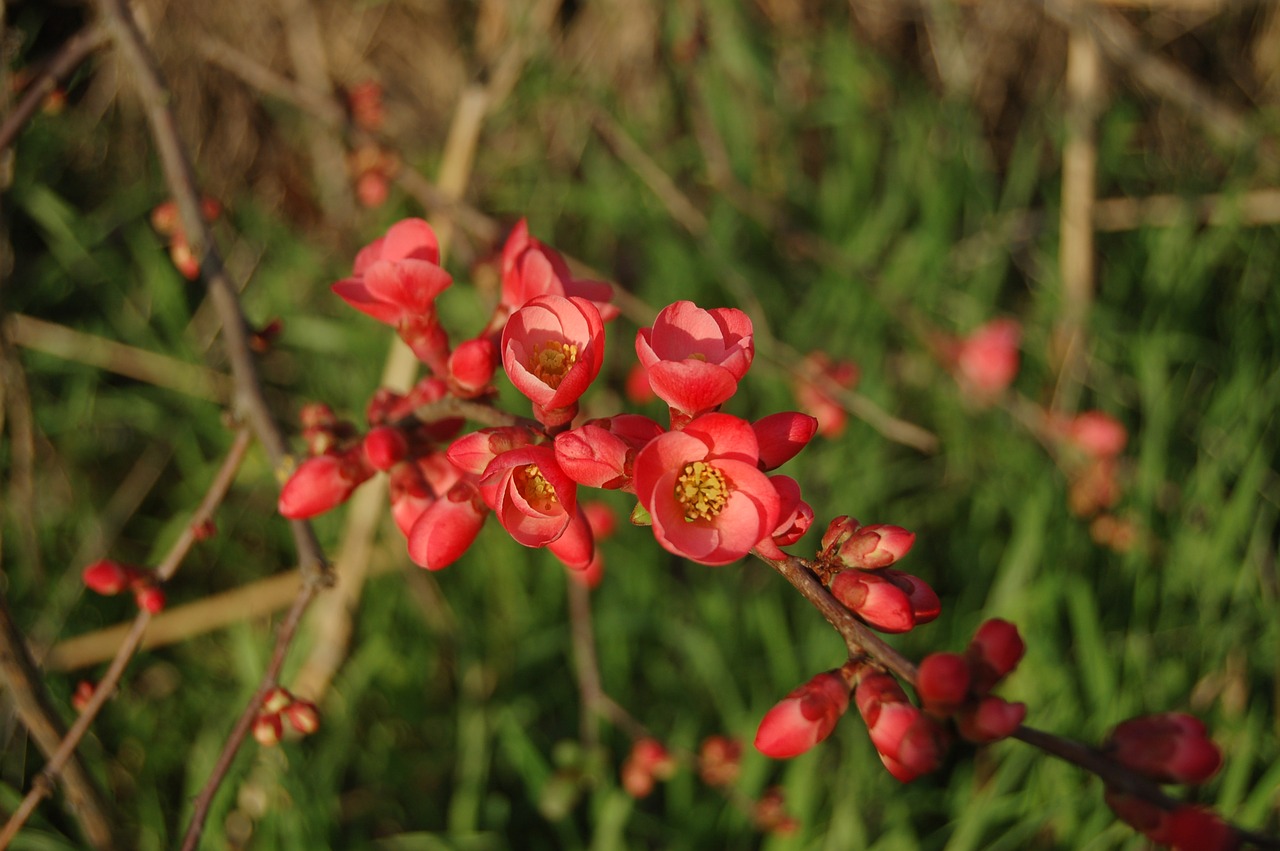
73,51
106,686
37,713
270,677
862,642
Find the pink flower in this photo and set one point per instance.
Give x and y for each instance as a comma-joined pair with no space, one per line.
532,497
397,276
448,526
473,452
396,281
1098,434
804,717
986,361
552,349
704,490
694,357
531,268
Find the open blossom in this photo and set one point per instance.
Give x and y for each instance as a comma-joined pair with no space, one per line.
694,357
532,497
396,280
704,490
552,349
531,268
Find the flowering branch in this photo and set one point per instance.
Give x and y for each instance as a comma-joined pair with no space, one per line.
168,566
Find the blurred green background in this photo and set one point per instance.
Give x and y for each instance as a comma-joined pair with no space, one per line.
843,181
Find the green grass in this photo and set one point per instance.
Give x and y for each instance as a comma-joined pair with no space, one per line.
460,740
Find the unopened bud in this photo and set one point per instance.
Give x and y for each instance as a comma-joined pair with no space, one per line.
384,446
150,598
1171,747
991,719
874,599
942,681
268,729
83,694
303,716
109,577
994,652
875,546
838,531
804,717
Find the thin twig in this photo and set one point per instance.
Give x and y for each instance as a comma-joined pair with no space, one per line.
73,51
585,662
106,686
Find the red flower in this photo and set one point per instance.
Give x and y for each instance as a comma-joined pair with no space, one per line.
532,497
552,349
694,357
704,490
396,281
531,269
601,453
322,483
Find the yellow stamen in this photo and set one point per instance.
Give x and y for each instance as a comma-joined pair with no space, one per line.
536,490
702,490
551,361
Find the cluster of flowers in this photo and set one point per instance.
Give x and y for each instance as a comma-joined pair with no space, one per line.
911,740
167,223
281,706
109,578
1170,747
702,483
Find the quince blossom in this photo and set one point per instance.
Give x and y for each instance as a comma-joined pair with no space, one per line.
695,358
704,490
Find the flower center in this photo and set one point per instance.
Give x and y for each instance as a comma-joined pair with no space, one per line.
702,490
551,360
536,490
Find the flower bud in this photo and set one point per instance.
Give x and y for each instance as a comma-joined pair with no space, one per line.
384,446
149,598
781,436
268,729
879,545
276,700
448,526
909,743
1170,747
322,483
804,717
108,577
925,604
874,599
303,716
838,531
994,652
990,719
719,760
942,681
83,694
471,367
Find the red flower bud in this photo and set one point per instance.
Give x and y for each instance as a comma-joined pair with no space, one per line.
268,729
942,681
719,760
150,598
384,446
838,531
924,600
303,716
322,483
1170,747
109,577
276,700
875,599
994,652
781,437
448,526
83,694
991,719
879,545
804,717
471,367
